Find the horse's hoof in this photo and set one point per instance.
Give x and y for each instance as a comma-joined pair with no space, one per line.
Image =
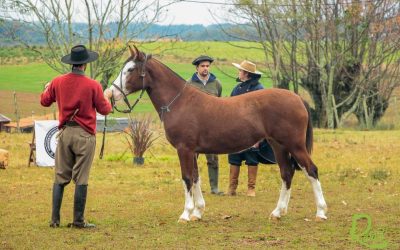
317,218
194,218
274,218
182,221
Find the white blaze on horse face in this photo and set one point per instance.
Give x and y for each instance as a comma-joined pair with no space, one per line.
121,81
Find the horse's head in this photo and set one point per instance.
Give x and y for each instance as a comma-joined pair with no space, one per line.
132,75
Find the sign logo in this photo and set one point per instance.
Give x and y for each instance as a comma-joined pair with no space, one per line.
50,142
368,238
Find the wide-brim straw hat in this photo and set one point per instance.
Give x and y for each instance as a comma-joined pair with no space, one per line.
248,67
80,55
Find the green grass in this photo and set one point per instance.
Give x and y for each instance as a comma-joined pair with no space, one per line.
138,207
223,52
25,78
32,77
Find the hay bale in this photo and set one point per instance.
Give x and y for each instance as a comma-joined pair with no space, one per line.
4,158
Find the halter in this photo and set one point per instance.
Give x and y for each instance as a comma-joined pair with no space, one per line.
165,109
125,96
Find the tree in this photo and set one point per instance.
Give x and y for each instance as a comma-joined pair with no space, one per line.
332,49
102,25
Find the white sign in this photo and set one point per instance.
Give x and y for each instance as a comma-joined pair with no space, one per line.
46,142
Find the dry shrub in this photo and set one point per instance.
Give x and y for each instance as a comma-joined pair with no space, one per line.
140,135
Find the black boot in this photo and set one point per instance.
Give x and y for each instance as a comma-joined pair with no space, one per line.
213,177
79,208
58,191
212,163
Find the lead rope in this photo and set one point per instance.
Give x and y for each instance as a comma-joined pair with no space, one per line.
104,138
104,130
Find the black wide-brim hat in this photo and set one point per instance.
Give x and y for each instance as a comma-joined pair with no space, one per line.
265,154
80,55
202,58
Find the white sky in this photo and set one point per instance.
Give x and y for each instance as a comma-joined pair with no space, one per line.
194,13
185,12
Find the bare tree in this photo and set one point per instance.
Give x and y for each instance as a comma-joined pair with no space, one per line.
335,50
103,25
379,74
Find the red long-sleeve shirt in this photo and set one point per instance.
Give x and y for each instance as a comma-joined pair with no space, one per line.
76,91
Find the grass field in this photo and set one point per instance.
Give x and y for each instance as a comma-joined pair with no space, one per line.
138,207
29,83
223,52
28,79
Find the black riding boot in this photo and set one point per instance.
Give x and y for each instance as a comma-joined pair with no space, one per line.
213,177
58,191
79,208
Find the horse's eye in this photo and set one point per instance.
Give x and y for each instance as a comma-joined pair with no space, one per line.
130,70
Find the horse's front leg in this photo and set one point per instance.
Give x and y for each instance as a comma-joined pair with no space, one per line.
186,159
199,203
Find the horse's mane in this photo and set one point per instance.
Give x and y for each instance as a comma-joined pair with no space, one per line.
168,68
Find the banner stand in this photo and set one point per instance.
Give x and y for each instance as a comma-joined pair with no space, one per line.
32,145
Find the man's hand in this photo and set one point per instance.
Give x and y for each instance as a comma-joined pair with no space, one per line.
47,85
108,94
256,145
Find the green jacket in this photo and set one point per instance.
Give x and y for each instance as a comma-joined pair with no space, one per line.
213,85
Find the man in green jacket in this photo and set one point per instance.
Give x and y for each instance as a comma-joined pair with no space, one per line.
208,83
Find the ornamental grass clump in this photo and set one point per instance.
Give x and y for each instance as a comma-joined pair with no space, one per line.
140,137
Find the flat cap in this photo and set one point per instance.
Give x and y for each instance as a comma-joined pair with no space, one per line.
202,58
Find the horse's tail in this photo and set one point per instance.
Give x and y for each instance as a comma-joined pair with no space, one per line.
309,133
309,138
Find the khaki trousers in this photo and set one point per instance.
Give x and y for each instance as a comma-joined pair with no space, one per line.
74,155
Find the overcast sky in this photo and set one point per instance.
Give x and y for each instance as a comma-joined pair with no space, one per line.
193,12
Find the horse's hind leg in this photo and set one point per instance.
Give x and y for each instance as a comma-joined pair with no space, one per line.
186,159
199,203
287,172
311,172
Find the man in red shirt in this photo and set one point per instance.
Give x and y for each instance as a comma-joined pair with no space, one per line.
78,98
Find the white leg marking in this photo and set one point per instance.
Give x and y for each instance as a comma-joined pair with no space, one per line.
322,208
283,202
189,204
199,203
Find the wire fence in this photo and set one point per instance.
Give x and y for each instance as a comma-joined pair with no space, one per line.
28,104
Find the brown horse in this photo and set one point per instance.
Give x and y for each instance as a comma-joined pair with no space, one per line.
196,122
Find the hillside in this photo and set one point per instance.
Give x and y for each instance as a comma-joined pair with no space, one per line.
155,31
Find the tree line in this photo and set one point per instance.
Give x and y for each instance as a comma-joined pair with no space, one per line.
177,32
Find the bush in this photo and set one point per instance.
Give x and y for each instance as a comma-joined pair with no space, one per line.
139,135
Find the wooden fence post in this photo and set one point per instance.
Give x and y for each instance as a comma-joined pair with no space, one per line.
16,111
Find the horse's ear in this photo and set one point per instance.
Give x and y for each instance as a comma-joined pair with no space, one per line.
135,53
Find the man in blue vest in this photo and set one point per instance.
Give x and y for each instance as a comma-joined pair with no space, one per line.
208,83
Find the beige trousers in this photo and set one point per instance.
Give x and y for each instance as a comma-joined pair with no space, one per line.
74,155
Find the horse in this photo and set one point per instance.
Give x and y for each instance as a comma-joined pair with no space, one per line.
195,122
